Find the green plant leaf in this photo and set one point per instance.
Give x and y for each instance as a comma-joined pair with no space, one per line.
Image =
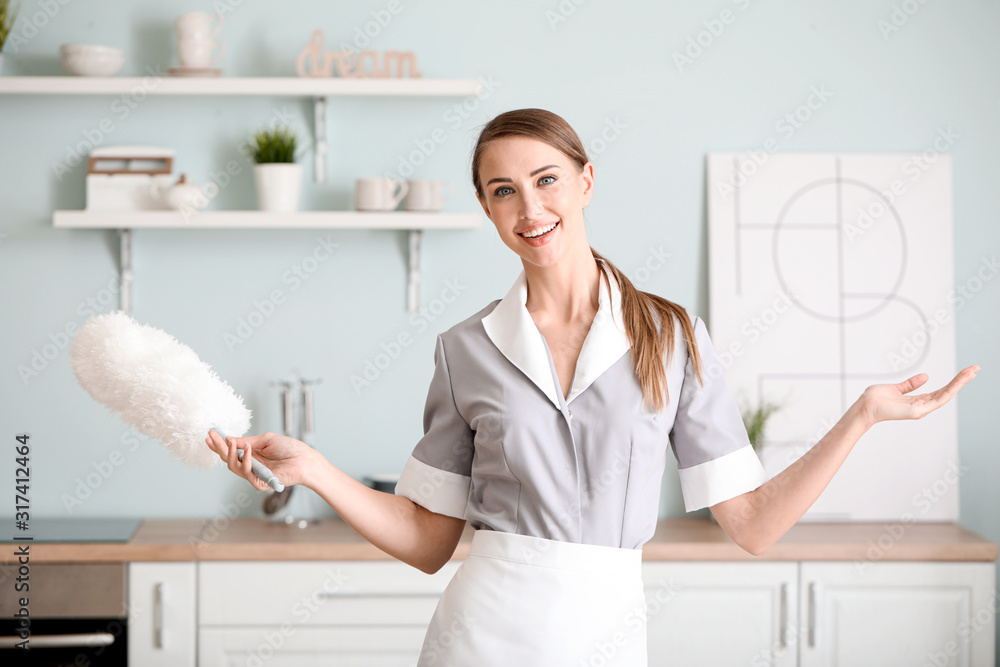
277,145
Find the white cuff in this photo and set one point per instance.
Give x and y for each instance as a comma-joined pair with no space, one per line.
720,479
438,490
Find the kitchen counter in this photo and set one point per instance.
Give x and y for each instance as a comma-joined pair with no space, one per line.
674,540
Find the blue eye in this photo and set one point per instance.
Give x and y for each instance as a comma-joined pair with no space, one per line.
499,192
543,178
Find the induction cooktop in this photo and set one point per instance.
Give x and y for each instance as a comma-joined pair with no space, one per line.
98,529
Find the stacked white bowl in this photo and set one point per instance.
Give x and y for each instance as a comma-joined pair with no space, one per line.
92,59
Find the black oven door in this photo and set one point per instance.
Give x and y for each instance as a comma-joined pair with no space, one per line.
64,642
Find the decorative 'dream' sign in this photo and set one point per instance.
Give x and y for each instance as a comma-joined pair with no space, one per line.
313,61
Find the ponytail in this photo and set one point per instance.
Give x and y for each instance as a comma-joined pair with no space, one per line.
642,312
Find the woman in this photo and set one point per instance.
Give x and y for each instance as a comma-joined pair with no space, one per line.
546,426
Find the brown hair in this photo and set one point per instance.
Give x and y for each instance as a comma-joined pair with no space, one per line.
642,311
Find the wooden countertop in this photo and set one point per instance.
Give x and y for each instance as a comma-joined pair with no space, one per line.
675,539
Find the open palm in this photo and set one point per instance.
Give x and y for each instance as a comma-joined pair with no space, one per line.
882,402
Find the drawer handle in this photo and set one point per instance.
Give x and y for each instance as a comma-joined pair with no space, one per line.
81,640
362,594
158,616
812,614
783,617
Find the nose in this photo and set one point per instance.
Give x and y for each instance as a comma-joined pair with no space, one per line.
531,207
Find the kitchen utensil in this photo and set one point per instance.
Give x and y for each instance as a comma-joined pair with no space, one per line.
183,195
379,194
197,25
199,53
159,386
427,195
92,59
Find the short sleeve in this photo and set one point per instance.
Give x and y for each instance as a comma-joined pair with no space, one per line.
437,474
715,459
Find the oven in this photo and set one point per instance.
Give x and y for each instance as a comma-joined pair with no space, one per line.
77,616
77,611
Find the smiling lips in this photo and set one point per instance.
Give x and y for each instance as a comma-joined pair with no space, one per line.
536,234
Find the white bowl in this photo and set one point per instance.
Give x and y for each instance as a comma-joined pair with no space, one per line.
92,59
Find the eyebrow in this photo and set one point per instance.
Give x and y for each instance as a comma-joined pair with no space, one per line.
507,180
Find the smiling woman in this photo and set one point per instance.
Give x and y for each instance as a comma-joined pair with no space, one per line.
546,428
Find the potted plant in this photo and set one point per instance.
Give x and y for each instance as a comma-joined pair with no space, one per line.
278,178
755,419
8,14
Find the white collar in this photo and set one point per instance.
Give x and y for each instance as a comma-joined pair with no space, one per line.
512,330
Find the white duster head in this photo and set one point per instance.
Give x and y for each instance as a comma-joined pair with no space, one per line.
156,384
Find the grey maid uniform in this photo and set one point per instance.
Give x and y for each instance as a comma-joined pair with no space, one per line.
505,450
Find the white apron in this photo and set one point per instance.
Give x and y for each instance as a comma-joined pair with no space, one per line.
520,601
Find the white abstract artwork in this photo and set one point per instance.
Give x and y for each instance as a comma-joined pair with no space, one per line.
830,273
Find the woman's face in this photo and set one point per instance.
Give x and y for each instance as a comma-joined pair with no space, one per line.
535,196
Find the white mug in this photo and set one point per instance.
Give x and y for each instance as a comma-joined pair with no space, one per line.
198,52
427,195
197,25
379,194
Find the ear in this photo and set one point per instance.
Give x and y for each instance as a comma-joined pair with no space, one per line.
482,202
587,176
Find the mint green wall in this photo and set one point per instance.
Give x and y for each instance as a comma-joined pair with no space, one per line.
607,67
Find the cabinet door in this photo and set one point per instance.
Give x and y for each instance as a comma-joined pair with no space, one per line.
161,614
897,614
712,614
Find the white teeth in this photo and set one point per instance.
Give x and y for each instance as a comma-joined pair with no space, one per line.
539,232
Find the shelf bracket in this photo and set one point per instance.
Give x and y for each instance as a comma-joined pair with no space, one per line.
413,273
319,120
125,269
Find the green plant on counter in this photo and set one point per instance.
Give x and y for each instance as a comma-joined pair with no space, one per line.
8,14
276,145
755,419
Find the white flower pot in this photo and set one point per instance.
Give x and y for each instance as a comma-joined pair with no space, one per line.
278,186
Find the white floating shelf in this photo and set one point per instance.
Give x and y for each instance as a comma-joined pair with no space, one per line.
128,221
260,86
265,220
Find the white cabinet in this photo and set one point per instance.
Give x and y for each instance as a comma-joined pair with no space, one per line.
821,614
287,614
161,614
897,614
716,614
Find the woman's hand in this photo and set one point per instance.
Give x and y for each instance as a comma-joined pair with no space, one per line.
286,457
882,402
